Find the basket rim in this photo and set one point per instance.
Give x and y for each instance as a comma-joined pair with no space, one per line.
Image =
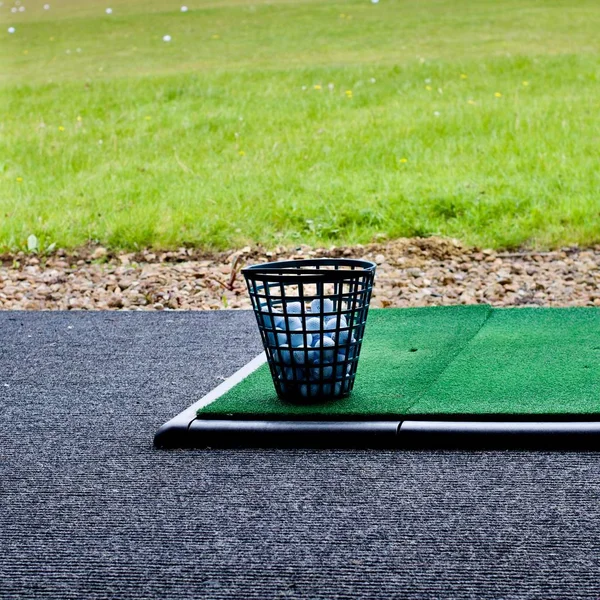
282,271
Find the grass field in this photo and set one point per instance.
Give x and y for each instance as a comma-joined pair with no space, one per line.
310,121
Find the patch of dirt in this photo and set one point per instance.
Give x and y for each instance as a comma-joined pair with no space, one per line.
410,272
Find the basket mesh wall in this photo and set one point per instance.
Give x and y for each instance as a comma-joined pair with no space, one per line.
311,315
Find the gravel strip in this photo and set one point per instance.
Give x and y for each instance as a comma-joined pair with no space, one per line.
410,272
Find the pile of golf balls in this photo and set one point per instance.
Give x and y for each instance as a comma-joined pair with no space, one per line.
313,351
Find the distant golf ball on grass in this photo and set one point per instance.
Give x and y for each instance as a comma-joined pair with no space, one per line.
11,30
166,38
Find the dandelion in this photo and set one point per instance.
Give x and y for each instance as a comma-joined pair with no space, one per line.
19,179
166,38
463,76
147,118
498,95
51,38
471,102
348,93
215,36
25,51
317,87
184,9
242,153
109,11
428,88
61,128
11,30
79,118
404,160
342,16
526,83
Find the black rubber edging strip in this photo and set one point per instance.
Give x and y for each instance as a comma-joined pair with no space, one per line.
186,430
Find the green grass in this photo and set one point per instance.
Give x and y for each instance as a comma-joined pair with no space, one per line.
220,138
456,360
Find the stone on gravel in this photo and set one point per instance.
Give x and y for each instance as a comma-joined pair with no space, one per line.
410,272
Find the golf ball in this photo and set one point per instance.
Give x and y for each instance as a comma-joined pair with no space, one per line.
109,11
11,30
166,38
320,354
293,308
184,9
315,306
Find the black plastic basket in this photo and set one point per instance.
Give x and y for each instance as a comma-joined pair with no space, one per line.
311,315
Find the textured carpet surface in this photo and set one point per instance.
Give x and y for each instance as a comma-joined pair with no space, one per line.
88,509
404,352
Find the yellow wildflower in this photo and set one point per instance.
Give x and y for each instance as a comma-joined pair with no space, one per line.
147,118
79,118
61,128
317,87
403,160
428,88
526,83
498,95
463,76
215,36
19,179
349,93
242,153
471,102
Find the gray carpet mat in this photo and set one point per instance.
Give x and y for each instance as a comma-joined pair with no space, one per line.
88,509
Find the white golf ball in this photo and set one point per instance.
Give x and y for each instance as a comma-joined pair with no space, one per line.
315,306
21,9
374,1
327,371
294,323
46,7
11,30
331,322
319,354
293,308
290,372
166,38
184,9
312,390
283,355
109,11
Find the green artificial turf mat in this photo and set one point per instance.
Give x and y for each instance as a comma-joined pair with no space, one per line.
404,352
524,361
